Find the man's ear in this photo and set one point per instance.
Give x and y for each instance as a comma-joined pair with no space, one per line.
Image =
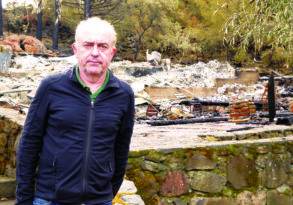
114,51
73,47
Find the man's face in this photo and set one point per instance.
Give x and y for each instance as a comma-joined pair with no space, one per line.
94,51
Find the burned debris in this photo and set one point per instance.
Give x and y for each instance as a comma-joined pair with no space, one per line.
202,92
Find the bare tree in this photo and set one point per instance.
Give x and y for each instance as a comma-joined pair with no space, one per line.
39,20
1,19
56,24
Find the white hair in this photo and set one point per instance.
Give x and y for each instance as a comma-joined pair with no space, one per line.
96,23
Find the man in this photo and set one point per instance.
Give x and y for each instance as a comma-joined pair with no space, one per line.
75,141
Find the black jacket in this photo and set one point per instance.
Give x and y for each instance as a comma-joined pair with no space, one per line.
73,150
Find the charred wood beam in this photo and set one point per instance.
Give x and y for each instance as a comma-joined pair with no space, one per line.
259,105
278,114
186,121
241,129
285,120
271,98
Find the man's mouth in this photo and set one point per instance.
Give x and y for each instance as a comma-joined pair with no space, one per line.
94,62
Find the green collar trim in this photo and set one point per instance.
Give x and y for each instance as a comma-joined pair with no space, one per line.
96,93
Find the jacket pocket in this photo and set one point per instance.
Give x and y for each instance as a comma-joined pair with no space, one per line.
46,174
100,173
67,176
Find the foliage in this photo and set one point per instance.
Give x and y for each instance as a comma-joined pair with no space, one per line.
20,20
185,30
262,24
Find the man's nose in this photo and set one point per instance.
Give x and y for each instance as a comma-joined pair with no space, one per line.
95,50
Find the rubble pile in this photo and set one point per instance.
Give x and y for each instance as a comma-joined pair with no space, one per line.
19,81
196,75
23,43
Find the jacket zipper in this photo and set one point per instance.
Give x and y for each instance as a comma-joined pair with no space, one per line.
87,147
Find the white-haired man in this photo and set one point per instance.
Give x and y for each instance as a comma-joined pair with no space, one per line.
75,142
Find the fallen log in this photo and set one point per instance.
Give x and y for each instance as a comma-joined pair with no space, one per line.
186,121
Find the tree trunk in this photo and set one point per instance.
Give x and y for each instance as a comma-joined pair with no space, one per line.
1,19
56,24
39,20
87,8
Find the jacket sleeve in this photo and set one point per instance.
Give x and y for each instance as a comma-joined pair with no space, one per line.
122,146
30,145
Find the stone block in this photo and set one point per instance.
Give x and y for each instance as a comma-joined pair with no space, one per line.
3,140
175,184
241,172
200,162
275,198
249,198
7,187
133,199
146,183
127,187
172,201
152,166
279,149
275,172
207,181
263,149
212,201
285,189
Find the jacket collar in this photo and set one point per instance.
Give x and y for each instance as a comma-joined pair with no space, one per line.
112,83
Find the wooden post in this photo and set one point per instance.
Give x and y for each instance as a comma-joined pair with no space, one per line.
271,98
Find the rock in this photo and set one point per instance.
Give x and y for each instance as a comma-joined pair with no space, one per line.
274,198
7,187
152,166
200,162
178,201
207,181
263,149
132,199
172,201
145,181
279,149
23,43
5,60
127,187
275,172
211,201
285,189
3,140
249,198
241,172
175,184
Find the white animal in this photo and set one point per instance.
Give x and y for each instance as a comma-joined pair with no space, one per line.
154,58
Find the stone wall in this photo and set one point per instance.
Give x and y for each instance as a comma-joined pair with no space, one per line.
258,173
9,131
254,168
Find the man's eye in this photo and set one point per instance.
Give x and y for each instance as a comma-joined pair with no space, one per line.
103,46
87,45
